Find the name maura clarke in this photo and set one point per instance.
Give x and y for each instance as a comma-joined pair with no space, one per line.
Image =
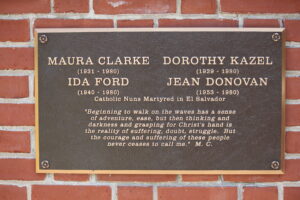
166,61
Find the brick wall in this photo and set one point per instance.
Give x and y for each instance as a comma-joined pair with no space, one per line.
18,19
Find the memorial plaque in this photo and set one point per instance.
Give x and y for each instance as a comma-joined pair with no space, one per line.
160,101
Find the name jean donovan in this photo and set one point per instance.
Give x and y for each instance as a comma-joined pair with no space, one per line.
218,81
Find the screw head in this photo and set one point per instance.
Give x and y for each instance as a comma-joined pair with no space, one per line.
275,165
45,164
275,37
43,39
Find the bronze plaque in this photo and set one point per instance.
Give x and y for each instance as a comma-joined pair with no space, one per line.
160,101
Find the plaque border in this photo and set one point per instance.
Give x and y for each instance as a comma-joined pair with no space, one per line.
179,29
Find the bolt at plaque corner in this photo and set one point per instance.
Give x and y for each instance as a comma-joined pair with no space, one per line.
45,164
275,37
43,39
275,165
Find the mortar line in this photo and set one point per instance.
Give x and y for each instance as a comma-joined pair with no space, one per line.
281,22
32,142
17,155
292,156
240,191
218,7
16,128
16,72
221,178
29,100
280,192
155,23
290,184
92,178
31,23
91,7
29,190
179,178
49,180
31,85
115,23
114,191
292,101
16,44
241,22
52,10
155,193
292,74
292,128
178,7
292,44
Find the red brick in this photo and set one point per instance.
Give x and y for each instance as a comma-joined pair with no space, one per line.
291,174
196,6
291,193
293,58
292,29
73,23
265,193
14,30
197,23
137,178
292,142
293,88
193,178
19,169
261,23
21,6
53,192
71,177
135,23
71,6
16,58
134,6
135,193
196,193
12,141
8,192
16,115
258,6
292,115
13,86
